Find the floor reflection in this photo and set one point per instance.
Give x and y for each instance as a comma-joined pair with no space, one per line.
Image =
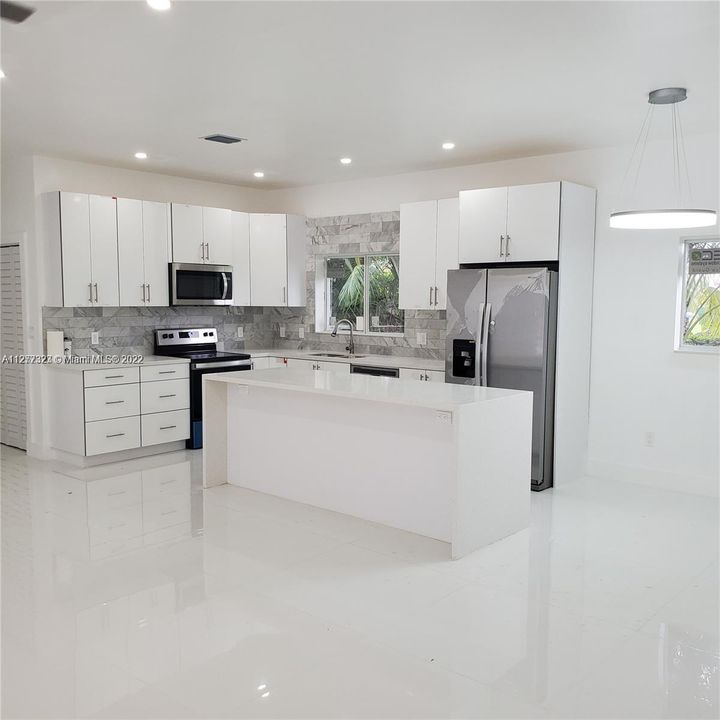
128,591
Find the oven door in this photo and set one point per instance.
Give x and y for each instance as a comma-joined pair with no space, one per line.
197,370
192,284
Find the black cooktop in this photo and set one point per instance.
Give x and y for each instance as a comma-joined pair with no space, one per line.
208,355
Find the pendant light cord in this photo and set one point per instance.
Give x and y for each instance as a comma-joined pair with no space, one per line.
640,144
681,148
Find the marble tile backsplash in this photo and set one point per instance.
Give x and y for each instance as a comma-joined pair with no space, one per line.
130,329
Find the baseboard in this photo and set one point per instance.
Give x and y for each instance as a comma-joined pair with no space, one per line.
82,461
704,485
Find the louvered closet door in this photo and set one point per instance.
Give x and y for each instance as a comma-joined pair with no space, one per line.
13,420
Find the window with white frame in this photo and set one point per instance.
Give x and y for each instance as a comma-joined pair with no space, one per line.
361,288
699,321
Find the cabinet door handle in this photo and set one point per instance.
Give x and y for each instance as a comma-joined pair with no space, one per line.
90,290
148,287
166,372
143,287
113,377
502,237
284,293
507,246
114,435
117,492
431,295
202,250
168,427
436,295
167,396
207,250
114,402
96,293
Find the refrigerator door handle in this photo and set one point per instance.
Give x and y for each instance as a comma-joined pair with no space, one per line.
485,342
479,345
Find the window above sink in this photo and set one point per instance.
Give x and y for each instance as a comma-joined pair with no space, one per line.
363,289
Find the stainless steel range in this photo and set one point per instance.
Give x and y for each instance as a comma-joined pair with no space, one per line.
199,345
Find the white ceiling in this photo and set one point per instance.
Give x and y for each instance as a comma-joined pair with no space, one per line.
384,83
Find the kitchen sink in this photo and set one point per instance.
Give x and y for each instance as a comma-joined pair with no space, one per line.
336,355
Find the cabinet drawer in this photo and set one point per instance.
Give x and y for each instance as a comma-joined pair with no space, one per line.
165,395
111,493
106,436
117,376
165,427
105,402
164,372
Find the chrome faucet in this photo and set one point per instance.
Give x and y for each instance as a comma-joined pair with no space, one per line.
351,345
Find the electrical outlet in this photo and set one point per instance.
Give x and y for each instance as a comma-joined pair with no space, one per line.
421,338
95,338
444,417
240,332
649,439
282,331
301,332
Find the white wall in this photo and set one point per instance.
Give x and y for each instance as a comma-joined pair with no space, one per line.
639,384
57,174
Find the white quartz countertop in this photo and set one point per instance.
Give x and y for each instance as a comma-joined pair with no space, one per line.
439,396
390,361
80,366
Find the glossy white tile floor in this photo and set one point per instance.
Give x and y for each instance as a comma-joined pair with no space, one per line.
131,593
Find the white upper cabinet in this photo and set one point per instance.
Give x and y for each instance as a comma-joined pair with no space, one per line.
217,235
268,259
143,252
81,233
73,236
103,250
418,242
483,224
446,252
510,224
428,249
241,258
201,235
188,243
533,226
131,267
277,260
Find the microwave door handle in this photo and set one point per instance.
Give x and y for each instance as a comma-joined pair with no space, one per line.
485,342
225,286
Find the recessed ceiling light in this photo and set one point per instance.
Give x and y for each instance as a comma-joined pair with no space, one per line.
159,4
448,146
259,174
2,74
141,155
345,161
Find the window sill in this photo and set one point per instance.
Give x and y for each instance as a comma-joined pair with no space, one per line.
699,349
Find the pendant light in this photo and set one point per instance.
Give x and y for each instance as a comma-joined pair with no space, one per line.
681,216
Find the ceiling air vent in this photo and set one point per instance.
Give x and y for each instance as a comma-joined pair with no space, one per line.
224,139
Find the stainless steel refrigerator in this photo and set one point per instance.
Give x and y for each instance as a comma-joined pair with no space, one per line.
501,325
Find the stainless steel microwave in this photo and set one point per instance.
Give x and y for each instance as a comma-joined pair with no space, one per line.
195,284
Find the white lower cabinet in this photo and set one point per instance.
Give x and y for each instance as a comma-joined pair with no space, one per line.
94,412
156,397
104,436
423,375
337,367
112,401
165,427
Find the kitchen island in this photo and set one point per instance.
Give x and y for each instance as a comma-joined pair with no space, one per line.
451,462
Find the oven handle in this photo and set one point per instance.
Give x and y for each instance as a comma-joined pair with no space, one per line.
225,286
238,364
